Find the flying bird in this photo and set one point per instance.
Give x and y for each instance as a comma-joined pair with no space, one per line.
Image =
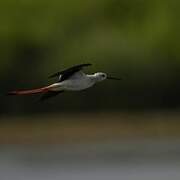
71,79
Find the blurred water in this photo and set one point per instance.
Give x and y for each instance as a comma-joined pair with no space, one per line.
126,160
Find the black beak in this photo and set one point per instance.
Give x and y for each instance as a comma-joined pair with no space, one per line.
113,78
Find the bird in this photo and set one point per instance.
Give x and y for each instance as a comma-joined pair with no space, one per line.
70,79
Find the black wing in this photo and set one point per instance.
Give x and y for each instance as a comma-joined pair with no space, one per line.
65,74
50,94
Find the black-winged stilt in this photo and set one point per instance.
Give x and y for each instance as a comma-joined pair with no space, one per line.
71,79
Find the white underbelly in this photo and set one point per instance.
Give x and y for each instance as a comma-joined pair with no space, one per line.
73,85
76,85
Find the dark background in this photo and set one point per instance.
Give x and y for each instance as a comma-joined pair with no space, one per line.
137,40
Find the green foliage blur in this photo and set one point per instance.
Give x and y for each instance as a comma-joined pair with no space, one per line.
137,40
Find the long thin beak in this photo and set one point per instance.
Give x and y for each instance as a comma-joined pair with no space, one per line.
113,78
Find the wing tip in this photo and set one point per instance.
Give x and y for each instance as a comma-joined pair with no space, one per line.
49,94
87,64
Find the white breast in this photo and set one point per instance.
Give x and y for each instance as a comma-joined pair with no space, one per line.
78,81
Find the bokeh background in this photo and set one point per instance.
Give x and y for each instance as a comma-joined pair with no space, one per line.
125,129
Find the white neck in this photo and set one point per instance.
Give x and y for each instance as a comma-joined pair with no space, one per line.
93,77
97,77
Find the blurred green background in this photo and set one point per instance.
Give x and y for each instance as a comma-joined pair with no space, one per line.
137,40
125,129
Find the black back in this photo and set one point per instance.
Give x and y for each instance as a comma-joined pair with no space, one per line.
65,74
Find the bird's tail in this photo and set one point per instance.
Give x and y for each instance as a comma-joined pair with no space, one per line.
29,92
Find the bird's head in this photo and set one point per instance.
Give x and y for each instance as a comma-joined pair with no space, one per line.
100,76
